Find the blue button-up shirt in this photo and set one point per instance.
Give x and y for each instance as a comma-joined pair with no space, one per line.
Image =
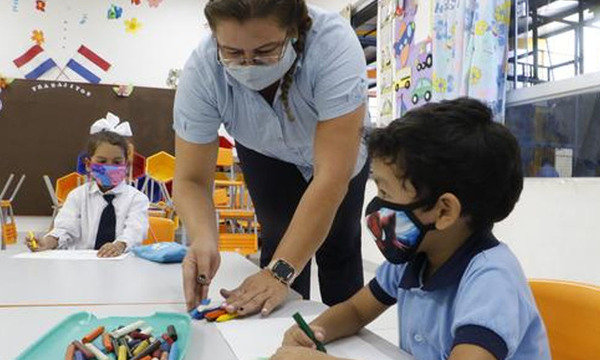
329,81
479,296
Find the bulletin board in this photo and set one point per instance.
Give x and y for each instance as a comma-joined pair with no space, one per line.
44,125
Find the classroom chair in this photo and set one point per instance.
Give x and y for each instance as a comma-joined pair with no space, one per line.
236,219
160,230
65,184
571,313
56,205
7,215
226,162
238,231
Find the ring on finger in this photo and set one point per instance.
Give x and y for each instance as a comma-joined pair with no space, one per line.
202,280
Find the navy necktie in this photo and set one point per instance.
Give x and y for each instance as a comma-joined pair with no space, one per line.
108,223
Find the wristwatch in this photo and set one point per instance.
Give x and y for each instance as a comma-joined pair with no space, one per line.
282,271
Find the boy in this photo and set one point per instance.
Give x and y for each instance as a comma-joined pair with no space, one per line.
445,174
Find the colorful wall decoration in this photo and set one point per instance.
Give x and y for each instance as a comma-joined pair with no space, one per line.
405,57
430,50
471,48
107,42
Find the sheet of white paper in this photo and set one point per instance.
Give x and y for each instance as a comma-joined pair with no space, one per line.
67,255
254,339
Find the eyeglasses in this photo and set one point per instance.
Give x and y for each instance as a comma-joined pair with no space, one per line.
266,58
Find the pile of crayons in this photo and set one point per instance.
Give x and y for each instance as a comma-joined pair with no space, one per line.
210,313
131,342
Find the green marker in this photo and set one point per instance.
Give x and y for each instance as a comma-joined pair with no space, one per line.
308,331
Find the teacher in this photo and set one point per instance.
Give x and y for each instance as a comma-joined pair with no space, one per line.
288,82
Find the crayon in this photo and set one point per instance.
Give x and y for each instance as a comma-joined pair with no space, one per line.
106,341
85,351
34,244
70,353
93,335
308,331
99,355
227,317
212,316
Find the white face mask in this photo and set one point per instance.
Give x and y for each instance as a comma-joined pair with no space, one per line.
258,77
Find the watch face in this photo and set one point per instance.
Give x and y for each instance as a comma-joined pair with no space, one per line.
283,270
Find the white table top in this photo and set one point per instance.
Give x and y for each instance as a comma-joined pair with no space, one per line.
20,327
26,282
35,295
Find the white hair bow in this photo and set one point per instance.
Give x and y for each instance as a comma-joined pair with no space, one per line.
111,123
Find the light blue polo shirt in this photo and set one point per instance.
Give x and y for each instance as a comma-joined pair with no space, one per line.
479,296
330,81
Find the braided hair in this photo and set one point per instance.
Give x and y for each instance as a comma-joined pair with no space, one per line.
289,14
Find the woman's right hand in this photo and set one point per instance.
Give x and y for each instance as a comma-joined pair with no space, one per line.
43,244
202,259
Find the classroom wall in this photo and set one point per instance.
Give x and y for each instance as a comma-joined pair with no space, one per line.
554,229
44,125
168,34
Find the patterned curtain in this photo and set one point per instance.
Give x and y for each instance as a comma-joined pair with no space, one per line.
470,49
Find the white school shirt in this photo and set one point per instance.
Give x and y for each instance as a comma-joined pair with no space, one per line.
76,224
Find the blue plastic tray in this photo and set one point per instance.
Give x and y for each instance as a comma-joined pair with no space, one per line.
54,343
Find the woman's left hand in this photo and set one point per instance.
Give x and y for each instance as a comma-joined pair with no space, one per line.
259,292
112,249
300,353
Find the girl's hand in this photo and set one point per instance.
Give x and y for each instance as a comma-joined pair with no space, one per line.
46,243
112,249
296,337
300,353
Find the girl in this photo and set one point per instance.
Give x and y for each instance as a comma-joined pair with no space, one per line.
106,214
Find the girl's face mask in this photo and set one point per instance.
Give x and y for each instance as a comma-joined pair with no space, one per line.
397,231
108,176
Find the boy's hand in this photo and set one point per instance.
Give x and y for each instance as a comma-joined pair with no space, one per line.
46,243
112,249
300,353
296,337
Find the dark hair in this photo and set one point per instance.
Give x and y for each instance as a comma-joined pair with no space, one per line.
455,147
291,15
107,137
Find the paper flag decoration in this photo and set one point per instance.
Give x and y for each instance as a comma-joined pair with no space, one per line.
123,90
154,3
114,12
38,36
86,65
132,25
34,63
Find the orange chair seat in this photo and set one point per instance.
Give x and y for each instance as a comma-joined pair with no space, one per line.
160,230
244,244
571,313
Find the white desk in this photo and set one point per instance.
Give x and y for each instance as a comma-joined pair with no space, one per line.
19,327
130,287
27,282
